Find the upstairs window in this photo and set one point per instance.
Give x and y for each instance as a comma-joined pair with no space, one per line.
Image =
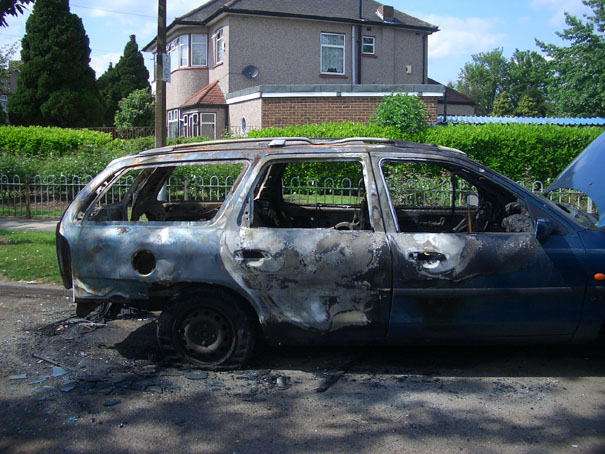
219,46
199,50
368,45
188,50
332,53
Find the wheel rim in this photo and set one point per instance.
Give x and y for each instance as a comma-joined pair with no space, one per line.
207,336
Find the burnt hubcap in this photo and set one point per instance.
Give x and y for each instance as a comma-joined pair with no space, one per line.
207,336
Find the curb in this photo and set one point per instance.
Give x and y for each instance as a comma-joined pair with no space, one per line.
22,288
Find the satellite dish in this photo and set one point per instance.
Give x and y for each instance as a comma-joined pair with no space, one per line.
251,72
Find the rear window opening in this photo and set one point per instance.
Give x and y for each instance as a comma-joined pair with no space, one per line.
189,193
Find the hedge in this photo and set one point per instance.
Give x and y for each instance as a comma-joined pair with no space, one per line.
48,151
522,152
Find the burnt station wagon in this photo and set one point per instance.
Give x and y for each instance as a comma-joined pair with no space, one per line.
357,240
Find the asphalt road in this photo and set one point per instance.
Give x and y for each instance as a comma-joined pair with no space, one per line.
113,394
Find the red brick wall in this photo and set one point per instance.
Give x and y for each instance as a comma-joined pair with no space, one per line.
295,111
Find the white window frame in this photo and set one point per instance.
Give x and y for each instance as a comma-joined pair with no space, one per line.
202,45
219,46
203,122
332,46
181,51
368,41
173,118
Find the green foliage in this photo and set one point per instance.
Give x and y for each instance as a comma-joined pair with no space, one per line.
46,151
137,109
117,83
521,152
332,130
578,83
503,105
6,69
482,79
13,8
531,104
498,85
37,141
56,84
409,114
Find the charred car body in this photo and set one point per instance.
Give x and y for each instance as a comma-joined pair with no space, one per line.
474,257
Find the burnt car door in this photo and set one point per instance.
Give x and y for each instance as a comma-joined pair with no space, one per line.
467,262
313,254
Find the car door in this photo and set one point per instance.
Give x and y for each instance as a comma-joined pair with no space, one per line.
315,266
464,270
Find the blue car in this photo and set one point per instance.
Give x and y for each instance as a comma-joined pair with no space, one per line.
301,241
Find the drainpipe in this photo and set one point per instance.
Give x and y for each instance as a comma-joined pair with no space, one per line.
359,31
354,53
444,106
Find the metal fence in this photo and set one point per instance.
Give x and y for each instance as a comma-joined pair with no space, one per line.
47,197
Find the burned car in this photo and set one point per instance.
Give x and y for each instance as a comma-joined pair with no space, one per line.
234,241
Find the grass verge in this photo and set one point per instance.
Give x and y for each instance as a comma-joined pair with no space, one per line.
29,256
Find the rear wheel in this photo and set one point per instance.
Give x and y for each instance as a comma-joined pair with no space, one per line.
208,329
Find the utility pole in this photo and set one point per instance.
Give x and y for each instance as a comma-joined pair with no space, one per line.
160,83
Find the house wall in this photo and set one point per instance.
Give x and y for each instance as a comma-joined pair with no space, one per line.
185,82
395,50
221,71
250,110
288,51
295,111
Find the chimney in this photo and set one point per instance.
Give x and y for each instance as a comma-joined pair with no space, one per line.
385,13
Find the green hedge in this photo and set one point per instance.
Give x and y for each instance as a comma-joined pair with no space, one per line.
37,141
56,151
522,152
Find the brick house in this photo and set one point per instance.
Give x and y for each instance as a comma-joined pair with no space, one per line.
245,64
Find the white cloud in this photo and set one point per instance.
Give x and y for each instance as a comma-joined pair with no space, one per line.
557,8
100,63
463,36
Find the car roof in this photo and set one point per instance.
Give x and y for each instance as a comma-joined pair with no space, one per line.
264,146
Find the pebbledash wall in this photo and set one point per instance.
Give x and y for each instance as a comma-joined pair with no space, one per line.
267,106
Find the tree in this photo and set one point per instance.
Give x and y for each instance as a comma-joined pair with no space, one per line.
128,75
531,104
578,84
138,109
527,72
408,113
482,79
7,68
13,8
56,84
503,105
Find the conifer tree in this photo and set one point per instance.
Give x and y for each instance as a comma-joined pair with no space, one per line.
119,82
56,85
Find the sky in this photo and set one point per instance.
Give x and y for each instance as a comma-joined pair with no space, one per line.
466,27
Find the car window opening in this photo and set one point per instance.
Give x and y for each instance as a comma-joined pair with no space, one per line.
187,193
435,198
335,198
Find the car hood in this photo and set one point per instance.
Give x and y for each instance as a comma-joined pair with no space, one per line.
585,174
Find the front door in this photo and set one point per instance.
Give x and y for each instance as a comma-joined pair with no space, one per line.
466,260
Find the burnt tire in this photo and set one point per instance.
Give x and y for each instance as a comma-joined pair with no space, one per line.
210,329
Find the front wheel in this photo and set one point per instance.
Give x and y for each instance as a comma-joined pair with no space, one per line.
208,329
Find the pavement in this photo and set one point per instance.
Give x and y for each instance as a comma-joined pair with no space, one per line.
39,225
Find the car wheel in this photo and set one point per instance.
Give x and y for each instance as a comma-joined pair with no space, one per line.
208,329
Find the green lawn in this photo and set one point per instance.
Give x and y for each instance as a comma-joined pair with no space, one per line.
29,256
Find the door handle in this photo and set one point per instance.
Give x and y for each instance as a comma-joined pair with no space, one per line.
250,254
427,256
